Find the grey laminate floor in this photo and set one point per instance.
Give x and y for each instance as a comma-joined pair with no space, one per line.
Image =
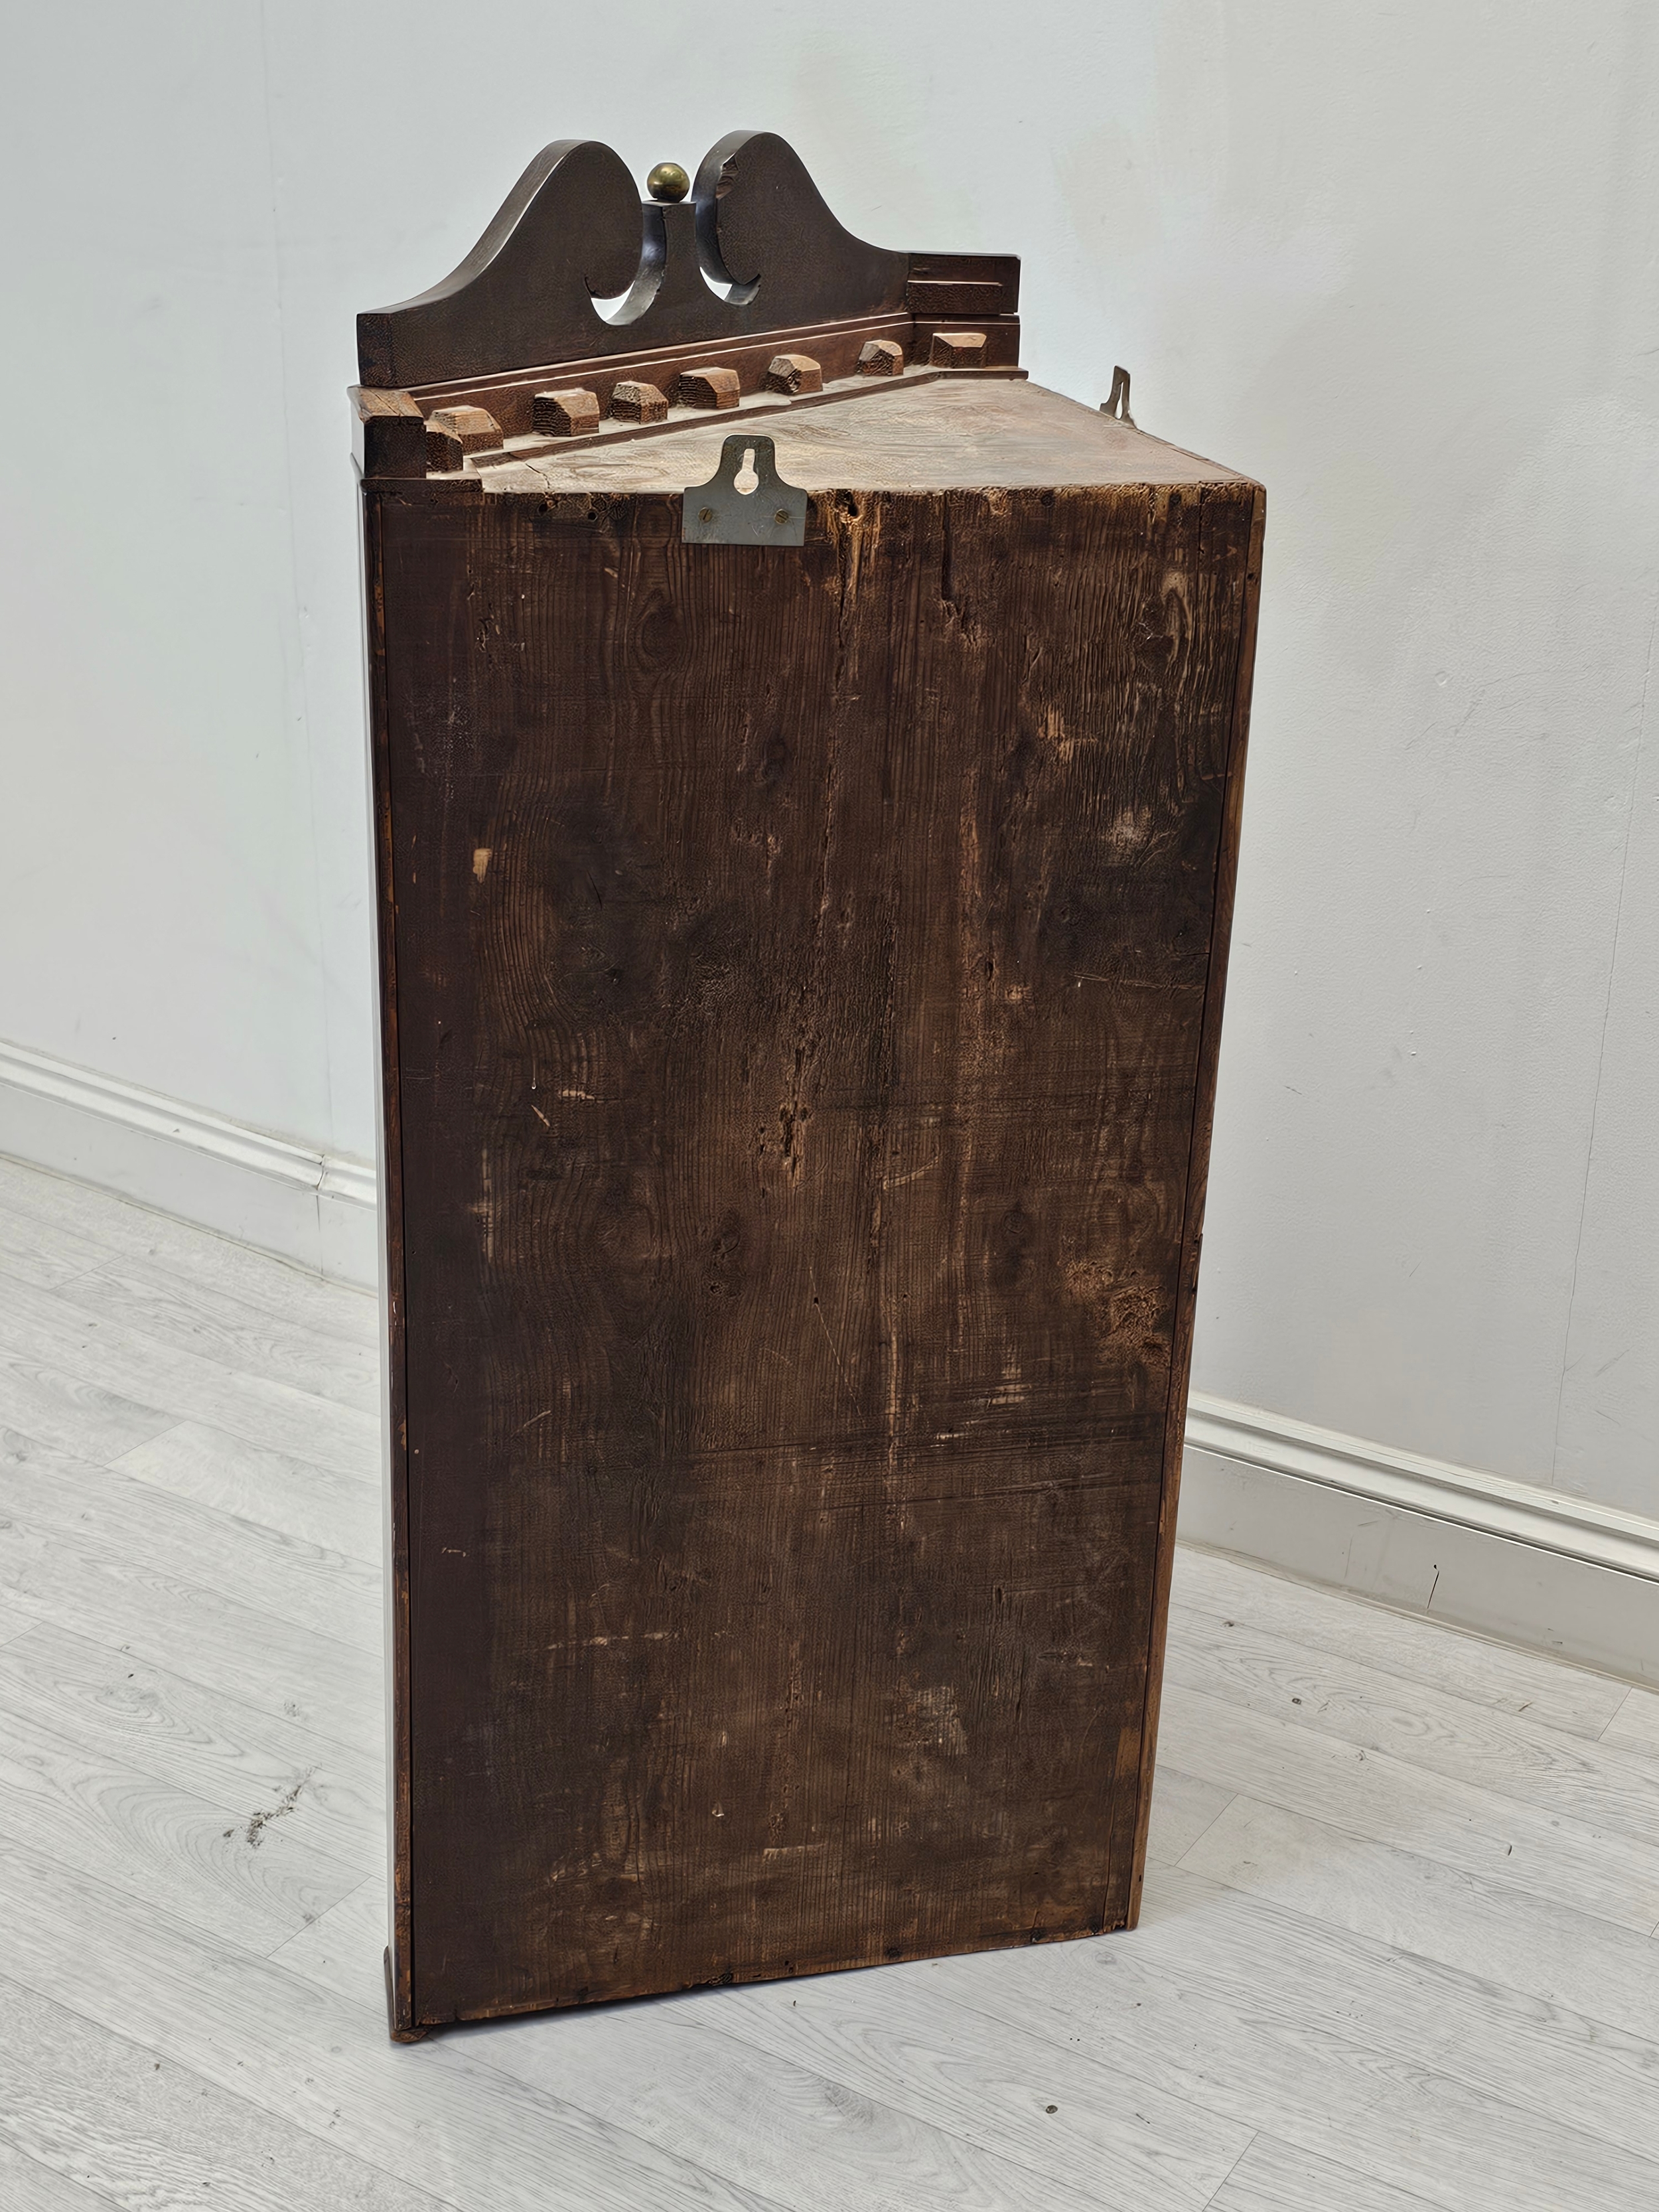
1397,1948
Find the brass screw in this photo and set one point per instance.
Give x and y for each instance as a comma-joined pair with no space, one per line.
668,181
782,515
705,514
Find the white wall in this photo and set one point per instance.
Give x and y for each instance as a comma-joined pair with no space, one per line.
1400,263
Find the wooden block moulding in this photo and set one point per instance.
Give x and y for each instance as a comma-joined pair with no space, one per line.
801,977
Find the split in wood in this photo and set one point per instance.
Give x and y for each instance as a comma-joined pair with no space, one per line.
453,433
956,350
793,372
708,387
881,357
632,402
565,413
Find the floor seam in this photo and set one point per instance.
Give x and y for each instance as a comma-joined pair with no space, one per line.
1256,2137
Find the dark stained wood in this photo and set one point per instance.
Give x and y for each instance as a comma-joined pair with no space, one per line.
472,427
1002,338
572,231
793,372
623,430
391,434
1198,1169
803,977
959,299
881,357
708,387
399,1956
633,402
566,414
963,284
835,347
451,432
577,284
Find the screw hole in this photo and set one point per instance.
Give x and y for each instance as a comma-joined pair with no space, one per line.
746,480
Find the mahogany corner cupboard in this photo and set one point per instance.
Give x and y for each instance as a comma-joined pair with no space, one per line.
807,762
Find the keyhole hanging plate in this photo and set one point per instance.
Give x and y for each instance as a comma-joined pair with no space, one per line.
718,514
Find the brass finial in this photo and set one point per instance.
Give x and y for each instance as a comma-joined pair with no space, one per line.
668,181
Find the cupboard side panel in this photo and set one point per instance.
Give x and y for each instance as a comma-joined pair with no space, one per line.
803,978
400,1999
1226,882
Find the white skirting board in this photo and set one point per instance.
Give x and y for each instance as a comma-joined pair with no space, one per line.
1526,1565
309,1206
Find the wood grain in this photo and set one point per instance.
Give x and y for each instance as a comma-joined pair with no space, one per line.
34,1254
1371,2007
237,1333
1536,1946
699,2093
343,1948
71,1413
104,1356
115,1706
25,2186
573,230
1182,1807
1245,1948
1417,1650
294,1581
1261,2057
1134,2143
1635,1723
634,401
1271,2177
793,372
264,1489
716,389
565,413
941,436
97,2112
81,1221
882,2045
880,357
1374,1796
125,1602
1596,1786
430,2116
1223,891
212,1865
798,1124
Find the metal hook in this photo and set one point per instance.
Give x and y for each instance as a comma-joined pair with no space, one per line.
1118,405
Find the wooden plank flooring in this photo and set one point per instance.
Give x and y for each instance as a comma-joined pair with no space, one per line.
1398,1947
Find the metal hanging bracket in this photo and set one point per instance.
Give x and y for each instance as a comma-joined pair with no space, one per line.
1118,405
746,501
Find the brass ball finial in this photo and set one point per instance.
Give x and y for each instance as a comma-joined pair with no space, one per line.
668,181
